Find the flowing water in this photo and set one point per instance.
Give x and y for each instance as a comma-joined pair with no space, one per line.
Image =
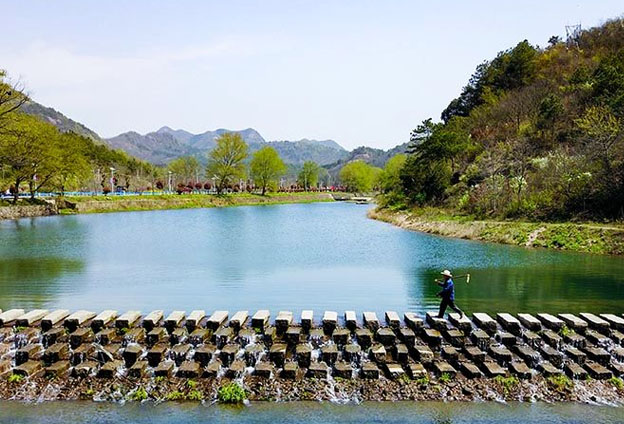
293,257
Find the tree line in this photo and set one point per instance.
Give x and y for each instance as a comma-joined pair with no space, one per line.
536,133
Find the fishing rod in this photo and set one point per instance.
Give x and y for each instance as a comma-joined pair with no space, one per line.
466,276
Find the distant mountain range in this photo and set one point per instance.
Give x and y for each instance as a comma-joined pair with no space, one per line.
166,144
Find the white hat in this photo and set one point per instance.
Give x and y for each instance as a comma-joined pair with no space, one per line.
446,273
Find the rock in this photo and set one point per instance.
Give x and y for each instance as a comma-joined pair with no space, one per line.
614,321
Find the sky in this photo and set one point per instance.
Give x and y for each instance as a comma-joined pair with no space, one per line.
359,72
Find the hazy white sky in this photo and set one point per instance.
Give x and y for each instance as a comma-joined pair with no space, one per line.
359,72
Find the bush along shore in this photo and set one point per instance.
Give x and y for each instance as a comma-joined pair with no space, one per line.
579,237
58,355
101,204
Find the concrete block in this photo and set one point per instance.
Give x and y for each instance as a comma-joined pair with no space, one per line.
352,353
548,370
54,335
385,336
194,319
509,323
595,322
343,370
153,319
552,338
138,369
370,320
236,369
28,353
109,369
394,370
377,353
217,319
484,322
56,352
553,356
174,319
228,353
239,320
370,371
434,322
530,322
164,369
330,321
364,337
317,370
416,370
576,355
407,336
528,354
128,319
470,370
303,355
599,355
85,369
461,322
102,319
307,320
260,320
574,323
329,354
550,321
53,318
156,354
293,335
283,320
614,321
277,354
492,369
131,354
31,317
413,321
204,354
520,369
189,369
224,336
481,339
474,354
597,371
575,371
264,370
392,320
157,335
341,336
501,354
28,368
289,371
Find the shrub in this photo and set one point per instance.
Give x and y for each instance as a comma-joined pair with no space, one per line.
560,382
175,395
617,382
445,377
231,393
15,378
506,382
139,395
195,395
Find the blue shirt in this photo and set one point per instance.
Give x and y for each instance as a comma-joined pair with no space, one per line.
448,290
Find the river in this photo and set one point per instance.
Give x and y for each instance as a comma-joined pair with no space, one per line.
324,256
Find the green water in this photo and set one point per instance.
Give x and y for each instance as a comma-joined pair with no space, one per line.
311,256
310,413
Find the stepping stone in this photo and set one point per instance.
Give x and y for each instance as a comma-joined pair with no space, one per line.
109,369
520,369
460,322
31,317
303,355
377,353
277,354
598,354
153,319
552,355
492,369
500,354
26,336
189,369
575,340
394,370
8,317
55,353
156,354
442,367
449,353
597,338
481,339
506,338
236,369
364,337
179,353
370,371
174,319
27,353
307,320
204,354
138,369
317,337
470,370
85,351
575,371
164,369
52,319
283,320
134,335
370,320
55,335
264,370
85,369
614,321
57,369
547,369
223,336
199,336
260,320
317,370
128,319
552,338
576,355
343,370
413,321
407,336
156,335
416,370
240,318
80,336
485,322
270,334
574,323
330,321
617,337
289,371
293,335
532,339
106,336
596,322
597,371
393,320
528,354
28,368
341,336
213,369
385,336
474,354
350,320
530,322
509,323
103,319
434,322
194,319
432,337
217,319
551,321
352,353
246,336
618,354
131,354
400,353
423,354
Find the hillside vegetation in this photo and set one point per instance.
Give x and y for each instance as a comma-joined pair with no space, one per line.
536,133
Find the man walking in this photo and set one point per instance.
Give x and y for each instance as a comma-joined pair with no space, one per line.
447,294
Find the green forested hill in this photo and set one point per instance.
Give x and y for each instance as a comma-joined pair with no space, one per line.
536,133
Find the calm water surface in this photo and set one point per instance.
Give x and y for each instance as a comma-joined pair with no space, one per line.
311,256
310,413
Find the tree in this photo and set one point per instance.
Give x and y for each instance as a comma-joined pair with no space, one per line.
186,168
12,97
358,176
390,177
602,130
308,177
266,167
226,160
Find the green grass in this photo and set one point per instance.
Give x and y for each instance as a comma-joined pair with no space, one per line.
423,381
175,395
617,382
195,395
191,384
445,378
508,383
139,395
15,378
565,331
231,393
560,382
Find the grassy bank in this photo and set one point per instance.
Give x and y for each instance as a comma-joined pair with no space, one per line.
100,204
579,237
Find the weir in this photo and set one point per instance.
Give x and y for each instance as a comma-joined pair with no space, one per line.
66,346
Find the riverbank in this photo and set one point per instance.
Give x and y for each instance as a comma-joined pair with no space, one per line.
578,237
103,204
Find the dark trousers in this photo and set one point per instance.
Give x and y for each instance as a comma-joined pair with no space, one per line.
448,302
